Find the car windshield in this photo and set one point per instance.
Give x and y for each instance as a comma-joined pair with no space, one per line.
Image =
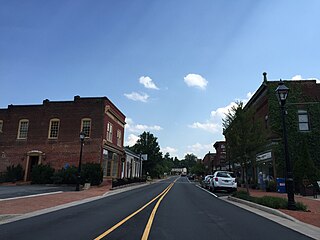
232,174
223,174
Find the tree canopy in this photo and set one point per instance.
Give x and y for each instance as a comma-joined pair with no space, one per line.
244,136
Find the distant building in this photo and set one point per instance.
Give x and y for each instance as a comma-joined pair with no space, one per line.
49,134
209,162
220,158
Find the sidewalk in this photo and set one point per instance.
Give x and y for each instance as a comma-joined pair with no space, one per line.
313,205
35,203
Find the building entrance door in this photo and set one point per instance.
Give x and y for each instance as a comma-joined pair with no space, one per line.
33,161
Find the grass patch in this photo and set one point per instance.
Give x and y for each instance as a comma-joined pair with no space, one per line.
268,201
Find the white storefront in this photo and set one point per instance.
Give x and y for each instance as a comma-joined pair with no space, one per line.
131,165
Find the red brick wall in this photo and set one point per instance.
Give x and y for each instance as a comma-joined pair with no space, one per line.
66,148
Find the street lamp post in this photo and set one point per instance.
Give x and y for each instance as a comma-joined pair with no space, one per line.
82,136
282,94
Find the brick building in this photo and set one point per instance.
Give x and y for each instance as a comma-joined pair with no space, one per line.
220,158
303,126
49,134
209,162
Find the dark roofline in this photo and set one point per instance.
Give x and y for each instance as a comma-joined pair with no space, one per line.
265,84
126,149
76,98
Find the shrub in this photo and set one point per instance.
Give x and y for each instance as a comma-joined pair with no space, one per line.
243,195
65,176
2,177
269,201
271,186
116,182
301,207
92,173
273,202
14,173
42,174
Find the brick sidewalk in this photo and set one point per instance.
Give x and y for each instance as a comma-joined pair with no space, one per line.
31,204
313,205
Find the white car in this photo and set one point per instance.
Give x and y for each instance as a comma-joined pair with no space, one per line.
222,180
205,182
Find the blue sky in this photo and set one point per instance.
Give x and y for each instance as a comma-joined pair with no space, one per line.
173,67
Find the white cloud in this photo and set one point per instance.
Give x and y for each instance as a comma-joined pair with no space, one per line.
299,77
137,96
198,149
148,83
195,80
142,128
214,123
249,95
131,140
296,78
207,126
172,151
139,128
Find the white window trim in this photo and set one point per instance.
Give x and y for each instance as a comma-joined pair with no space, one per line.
302,112
109,132
81,129
50,125
119,138
19,128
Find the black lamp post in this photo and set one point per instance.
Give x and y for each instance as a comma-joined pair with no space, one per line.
282,94
82,136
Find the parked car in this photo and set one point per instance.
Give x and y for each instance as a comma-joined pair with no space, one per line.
222,180
191,176
205,182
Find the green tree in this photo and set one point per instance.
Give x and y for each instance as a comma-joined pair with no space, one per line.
244,137
198,169
168,163
304,167
189,161
176,163
148,144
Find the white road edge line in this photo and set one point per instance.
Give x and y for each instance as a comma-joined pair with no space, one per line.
207,191
29,196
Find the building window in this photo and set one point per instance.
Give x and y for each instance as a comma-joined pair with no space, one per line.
54,128
23,129
1,125
115,162
110,166
119,138
303,120
86,126
109,132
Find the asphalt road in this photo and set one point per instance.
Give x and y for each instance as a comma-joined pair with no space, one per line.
182,211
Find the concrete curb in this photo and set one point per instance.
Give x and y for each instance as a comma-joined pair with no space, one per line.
263,208
277,216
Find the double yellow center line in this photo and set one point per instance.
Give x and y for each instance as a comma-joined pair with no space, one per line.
150,221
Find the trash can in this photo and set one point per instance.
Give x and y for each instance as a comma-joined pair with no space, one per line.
281,185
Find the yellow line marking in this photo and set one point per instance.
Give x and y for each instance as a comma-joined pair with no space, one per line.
131,215
152,215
